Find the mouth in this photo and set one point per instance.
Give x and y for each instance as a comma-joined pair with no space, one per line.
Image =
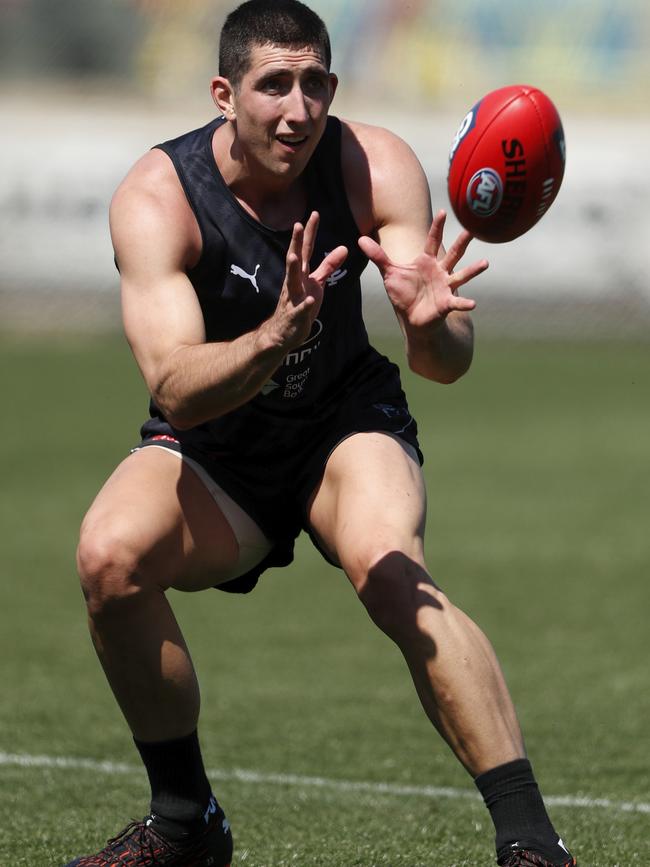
292,143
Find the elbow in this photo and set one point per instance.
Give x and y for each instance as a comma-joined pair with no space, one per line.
177,416
442,374
180,422
178,413
170,393
175,410
447,378
184,412
450,375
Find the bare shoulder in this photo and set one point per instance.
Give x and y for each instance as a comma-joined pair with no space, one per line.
380,171
150,204
377,142
151,180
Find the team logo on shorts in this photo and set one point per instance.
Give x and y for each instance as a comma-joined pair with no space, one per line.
485,192
391,411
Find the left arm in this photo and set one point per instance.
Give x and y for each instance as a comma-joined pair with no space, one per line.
406,245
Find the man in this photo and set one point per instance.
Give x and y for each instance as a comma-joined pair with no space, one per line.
240,247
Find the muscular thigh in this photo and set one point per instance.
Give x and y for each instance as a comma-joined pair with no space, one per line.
371,500
161,512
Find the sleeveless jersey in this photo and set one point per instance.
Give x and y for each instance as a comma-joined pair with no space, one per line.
238,281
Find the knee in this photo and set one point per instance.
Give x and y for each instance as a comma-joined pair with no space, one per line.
401,598
109,567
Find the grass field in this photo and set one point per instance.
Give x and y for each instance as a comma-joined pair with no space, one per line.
538,477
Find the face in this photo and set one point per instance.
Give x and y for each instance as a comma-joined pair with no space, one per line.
279,109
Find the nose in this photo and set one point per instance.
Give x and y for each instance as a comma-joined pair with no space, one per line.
295,109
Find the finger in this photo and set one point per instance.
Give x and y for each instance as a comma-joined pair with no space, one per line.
309,241
466,274
294,262
294,278
461,304
296,243
331,263
457,250
375,253
434,238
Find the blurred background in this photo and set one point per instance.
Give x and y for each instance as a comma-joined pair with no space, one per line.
88,85
536,463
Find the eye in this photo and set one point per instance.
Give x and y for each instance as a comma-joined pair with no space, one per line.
315,84
274,86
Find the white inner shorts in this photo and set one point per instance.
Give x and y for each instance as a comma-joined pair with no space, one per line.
253,544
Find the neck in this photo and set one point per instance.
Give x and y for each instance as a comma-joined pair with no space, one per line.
277,201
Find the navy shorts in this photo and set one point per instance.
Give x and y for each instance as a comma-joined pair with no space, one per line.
275,488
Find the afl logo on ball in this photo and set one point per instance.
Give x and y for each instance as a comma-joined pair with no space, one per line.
485,192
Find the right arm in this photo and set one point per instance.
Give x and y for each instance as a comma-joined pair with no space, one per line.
390,197
154,234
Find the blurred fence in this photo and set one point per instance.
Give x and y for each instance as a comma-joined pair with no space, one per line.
87,87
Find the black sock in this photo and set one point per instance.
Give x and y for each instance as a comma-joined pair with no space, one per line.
518,812
180,790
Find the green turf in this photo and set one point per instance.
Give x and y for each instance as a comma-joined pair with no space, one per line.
537,470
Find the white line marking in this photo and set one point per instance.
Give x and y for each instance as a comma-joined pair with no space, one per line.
242,776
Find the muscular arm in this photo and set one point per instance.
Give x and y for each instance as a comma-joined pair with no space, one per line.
155,238
438,339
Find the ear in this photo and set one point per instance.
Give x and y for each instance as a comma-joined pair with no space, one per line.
223,94
334,83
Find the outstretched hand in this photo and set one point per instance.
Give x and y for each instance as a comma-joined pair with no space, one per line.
423,292
302,292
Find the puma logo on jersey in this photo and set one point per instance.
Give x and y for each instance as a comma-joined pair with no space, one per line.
252,278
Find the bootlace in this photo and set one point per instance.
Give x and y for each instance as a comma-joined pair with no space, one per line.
520,858
139,841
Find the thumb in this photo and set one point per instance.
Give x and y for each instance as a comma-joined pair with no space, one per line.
331,263
375,253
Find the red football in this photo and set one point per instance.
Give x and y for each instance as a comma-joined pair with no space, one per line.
506,163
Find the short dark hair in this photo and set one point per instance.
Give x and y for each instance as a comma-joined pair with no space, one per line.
288,23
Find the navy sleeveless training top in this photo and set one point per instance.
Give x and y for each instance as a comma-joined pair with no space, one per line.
238,281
